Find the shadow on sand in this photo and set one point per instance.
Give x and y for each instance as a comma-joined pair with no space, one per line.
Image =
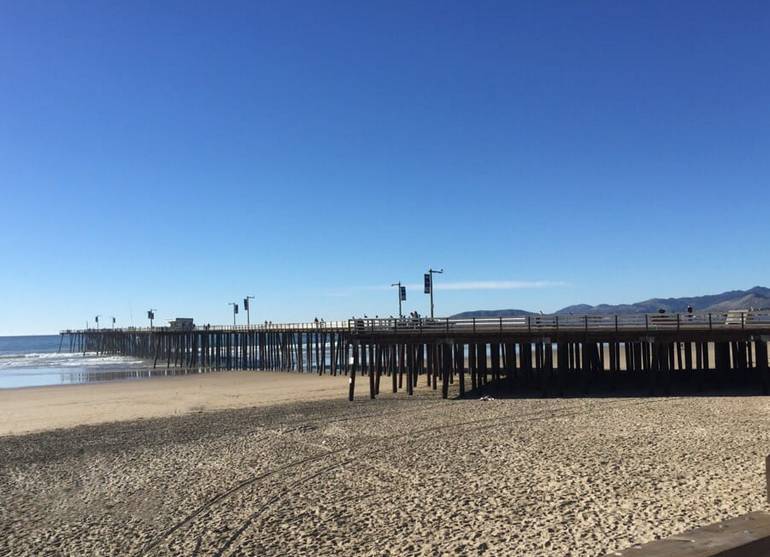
715,385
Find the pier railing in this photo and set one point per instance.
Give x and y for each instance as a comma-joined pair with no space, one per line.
569,323
311,326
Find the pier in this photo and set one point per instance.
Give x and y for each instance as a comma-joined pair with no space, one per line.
545,355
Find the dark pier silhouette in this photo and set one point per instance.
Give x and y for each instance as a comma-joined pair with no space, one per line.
540,355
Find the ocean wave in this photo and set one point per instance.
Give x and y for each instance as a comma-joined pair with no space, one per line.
66,360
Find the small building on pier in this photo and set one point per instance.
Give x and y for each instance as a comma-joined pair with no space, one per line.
181,324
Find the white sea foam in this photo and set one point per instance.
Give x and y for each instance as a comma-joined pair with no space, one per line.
64,360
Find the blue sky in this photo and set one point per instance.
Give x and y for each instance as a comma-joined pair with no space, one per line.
181,155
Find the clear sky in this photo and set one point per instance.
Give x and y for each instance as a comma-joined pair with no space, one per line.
182,155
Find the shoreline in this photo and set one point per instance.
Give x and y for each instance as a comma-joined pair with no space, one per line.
121,377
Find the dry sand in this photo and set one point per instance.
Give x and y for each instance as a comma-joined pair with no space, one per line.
40,408
395,476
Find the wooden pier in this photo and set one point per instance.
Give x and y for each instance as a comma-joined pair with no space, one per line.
546,355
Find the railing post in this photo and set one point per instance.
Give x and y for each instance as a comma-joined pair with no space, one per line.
709,321
447,324
616,322
742,321
677,322
501,324
529,323
557,322
474,324
585,318
646,322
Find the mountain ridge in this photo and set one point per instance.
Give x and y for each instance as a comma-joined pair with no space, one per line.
757,297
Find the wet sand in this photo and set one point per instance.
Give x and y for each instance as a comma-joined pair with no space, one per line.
395,476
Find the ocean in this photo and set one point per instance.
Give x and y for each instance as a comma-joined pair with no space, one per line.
31,361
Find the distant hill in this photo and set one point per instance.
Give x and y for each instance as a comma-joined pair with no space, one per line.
757,298
492,313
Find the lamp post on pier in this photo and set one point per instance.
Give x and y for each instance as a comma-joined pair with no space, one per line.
235,310
401,297
97,321
429,286
246,307
151,316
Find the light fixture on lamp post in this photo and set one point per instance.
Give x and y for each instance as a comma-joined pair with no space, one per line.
401,297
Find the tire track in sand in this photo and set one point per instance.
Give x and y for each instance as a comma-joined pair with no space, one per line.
410,436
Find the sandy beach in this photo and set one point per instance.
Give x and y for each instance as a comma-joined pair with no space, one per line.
239,464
